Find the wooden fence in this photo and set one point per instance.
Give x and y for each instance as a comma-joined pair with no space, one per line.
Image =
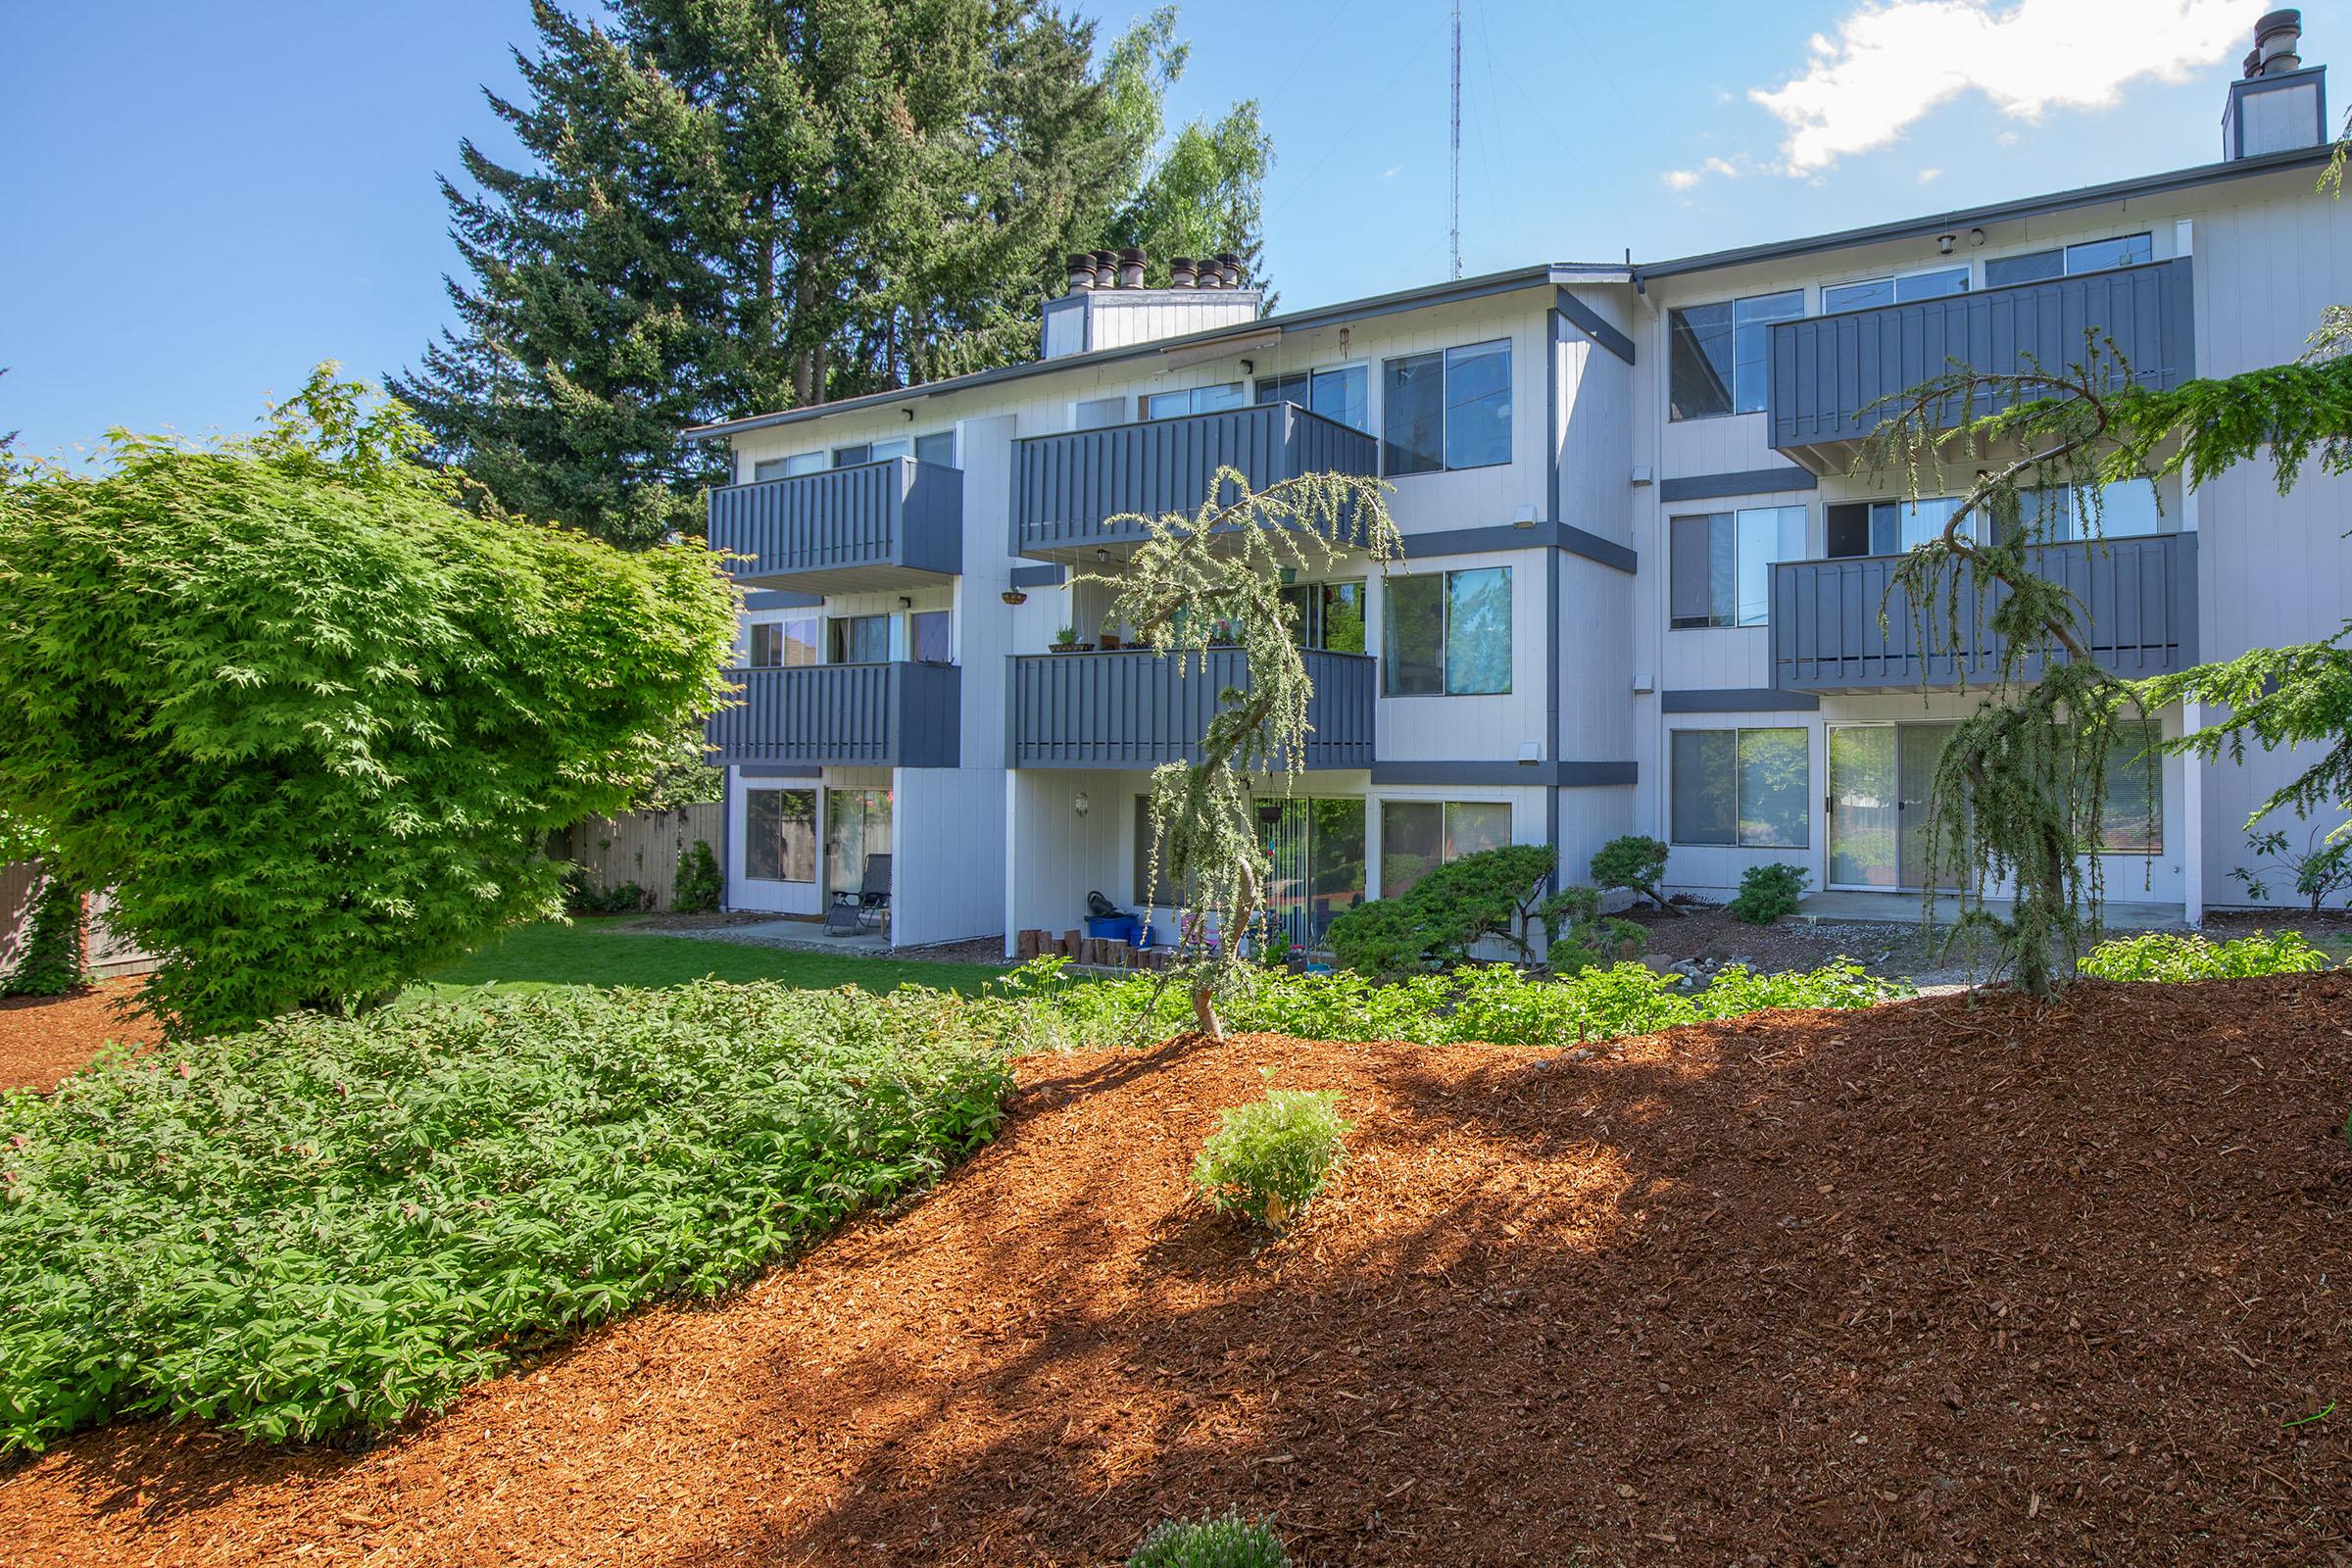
645,847
111,954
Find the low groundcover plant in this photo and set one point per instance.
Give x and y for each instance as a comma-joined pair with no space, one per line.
1226,1541
324,1225
1269,1158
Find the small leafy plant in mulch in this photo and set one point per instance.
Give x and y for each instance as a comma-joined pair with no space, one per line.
1268,1160
2170,957
1768,892
1215,1541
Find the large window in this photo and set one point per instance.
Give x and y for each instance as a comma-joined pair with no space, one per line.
1316,851
1418,836
2131,813
1193,400
927,637
1744,787
1721,562
1889,527
937,447
790,641
2062,512
1095,413
1342,394
857,640
1331,615
2090,256
1718,357
786,468
779,835
856,828
1937,284
1446,410
872,451
1447,632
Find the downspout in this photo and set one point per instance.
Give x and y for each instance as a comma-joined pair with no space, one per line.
1553,437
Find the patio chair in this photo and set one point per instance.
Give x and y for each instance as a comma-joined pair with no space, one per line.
868,908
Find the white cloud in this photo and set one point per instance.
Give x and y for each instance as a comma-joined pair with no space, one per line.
1891,62
1681,178
1392,172
1930,175
1722,167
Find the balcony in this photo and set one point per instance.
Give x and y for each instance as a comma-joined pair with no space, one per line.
1065,488
875,527
1827,370
2139,597
873,716
1131,709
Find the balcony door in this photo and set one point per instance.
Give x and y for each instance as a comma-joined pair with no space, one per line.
1879,777
1317,849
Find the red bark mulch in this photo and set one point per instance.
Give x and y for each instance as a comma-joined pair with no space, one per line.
1928,1284
44,1038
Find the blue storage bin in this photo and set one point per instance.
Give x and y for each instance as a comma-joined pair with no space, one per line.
1118,927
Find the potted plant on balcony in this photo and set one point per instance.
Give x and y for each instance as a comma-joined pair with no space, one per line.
1065,641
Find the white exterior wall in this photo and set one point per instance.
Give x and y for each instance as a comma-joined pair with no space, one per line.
777,898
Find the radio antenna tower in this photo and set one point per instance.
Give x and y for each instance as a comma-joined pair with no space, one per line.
1454,228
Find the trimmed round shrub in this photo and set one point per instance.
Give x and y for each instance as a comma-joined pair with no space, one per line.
1226,1541
1768,892
1268,1160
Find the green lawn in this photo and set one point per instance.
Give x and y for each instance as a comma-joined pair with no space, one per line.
604,952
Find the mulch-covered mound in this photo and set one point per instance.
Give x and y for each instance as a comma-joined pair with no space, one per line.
1929,1284
44,1038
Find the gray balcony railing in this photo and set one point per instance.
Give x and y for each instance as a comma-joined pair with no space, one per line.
882,715
2138,600
874,526
1066,487
1132,709
1828,370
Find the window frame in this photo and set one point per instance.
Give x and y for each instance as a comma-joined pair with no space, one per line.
1738,518
1447,854
1145,399
779,626
2153,728
1445,580
1444,434
1895,282
2065,252
809,462
1681,312
1259,385
1313,630
1739,734
815,845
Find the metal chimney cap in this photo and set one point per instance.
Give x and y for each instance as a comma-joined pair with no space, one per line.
2277,21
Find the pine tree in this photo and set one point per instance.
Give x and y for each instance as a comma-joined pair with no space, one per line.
767,202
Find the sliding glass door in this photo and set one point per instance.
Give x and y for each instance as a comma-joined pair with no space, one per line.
1879,777
1317,847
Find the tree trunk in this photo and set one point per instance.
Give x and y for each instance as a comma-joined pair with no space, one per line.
1205,1013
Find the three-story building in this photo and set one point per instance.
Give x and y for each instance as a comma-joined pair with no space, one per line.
1641,588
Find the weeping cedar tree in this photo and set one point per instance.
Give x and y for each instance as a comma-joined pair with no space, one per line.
2020,789
1217,575
765,204
309,715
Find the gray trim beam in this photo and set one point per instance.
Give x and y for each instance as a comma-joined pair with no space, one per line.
1038,577
1510,536
781,599
1738,699
1748,482
1505,775
1587,321
1999,212
761,771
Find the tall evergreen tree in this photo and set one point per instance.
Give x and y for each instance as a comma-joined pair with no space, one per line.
735,205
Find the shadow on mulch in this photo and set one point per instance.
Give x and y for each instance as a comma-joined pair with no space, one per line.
2031,1283
42,1039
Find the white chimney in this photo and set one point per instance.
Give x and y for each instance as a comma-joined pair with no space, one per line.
2279,104
1120,312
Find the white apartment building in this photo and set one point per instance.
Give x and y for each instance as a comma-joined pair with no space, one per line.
1640,590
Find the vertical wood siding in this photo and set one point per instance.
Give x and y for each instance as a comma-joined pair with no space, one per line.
1135,709
896,512
646,847
884,715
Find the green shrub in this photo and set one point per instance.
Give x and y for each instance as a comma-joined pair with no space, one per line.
699,883
1768,892
1633,863
56,960
1494,1004
354,708
582,896
1267,1160
1492,893
329,1224
2162,956
1211,1542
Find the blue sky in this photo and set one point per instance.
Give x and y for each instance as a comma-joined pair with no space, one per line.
206,199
